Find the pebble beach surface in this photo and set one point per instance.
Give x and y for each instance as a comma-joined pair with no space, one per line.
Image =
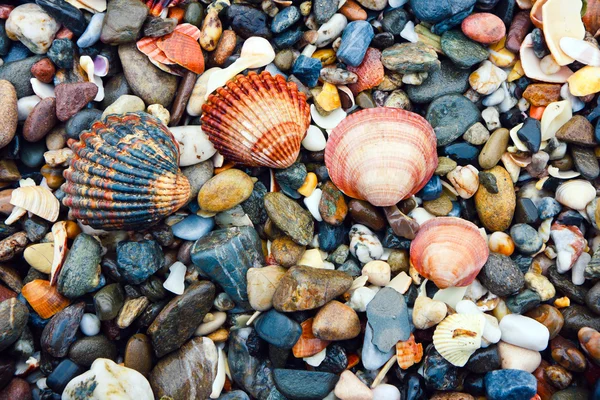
300,200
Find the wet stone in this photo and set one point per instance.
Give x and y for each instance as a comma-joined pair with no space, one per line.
463,52
13,319
292,219
80,273
304,385
85,350
451,116
577,317
409,58
394,21
530,134
523,302
563,284
388,317
585,162
484,360
278,329
510,384
59,333
248,21
138,260
439,374
501,275
108,301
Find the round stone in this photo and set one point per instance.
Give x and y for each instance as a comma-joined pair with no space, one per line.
225,190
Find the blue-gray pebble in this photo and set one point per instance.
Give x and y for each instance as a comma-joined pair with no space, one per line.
510,384
355,40
526,239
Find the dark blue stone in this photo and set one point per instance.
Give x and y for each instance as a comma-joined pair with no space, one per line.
32,154
18,51
336,359
414,387
531,134
505,10
475,384
285,18
355,40
432,189
307,70
254,205
486,5
526,239
455,212
391,241
512,117
304,385
66,14
449,23
248,21
288,38
436,11
439,374
61,53
549,208
278,329
463,153
330,236
522,262
225,255
523,302
291,179
62,374
82,121
510,384
5,42
136,261
526,212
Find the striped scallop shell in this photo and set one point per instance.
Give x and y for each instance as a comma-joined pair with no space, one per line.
458,336
449,251
125,174
257,120
381,155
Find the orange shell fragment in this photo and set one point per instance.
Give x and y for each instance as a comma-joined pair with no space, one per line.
183,50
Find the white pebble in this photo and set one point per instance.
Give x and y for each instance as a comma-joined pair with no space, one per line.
386,391
317,359
314,139
577,274
330,121
25,105
331,29
175,281
420,215
360,298
312,203
90,324
41,89
194,146
364,245
409,33
524,332
494,99
378,272
491,116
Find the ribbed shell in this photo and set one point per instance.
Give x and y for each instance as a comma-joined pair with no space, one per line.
157,6
44,298
458,336
449,251
257,120
125,174
381,155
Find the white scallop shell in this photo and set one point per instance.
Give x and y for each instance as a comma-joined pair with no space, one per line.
458,336
575,194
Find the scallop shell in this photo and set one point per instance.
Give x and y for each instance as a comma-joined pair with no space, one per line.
308,345
381,155
408,352
257,120
157,6
458,336
125,174
575,194
183,50
449,251
44,298
37,200
555,115
149,45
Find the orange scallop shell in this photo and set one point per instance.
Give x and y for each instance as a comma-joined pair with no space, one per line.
148,45
450,251
257,120
409,352
381,155
182,50
44,298
308,345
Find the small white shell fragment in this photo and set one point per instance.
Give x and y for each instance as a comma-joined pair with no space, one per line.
575,194
212,322
358,282
41,89
524,332
314,139
511,167
330,121
531,65
577,273
401,282
555,115
409,33
309,50
175,281
311,258
219,382
194,146
312,203
555,172
491,116
331,29
451,295
25,105
378,272
581,51
420,215
317,359
360,298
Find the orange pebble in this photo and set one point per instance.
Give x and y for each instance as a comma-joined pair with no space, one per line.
64,33
562,302
536,112
501,243
309,185
353,360
177,13
353,11
72,229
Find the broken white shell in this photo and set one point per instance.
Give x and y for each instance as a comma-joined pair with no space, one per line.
562,18
580,50
575,194
38,200
458,336
555,115
175,281
531,65
555,172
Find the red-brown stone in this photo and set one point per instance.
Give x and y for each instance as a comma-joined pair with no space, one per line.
484,28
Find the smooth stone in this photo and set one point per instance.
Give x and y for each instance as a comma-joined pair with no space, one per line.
332,207
32,26
80,273
82,121
364,244
86,350
331,30
193,227
330,236
291,178
462,152
108,301
515,357
253,206
41,120
306,288
373,4
510,384
184,92
477,135
59,334
484,360
139,353
132,308
226,255
17,389
107,379
62,374
123,22
114,88
146,81
564,285
439,374
90,324
212,322
19,74
307,70
407,58
530,134
136,261
66,14
571,393
355,40
484,28
548,316
524,332
443,81
365,214
324,10
336,321
8,112
577,317
567,354
463,52
5,42
262,283
72,97
496,210
225,191
450,116
124,104
187,373
92,32
278,329
240,395
286,252
494,148
13,320
387,315
198,175
179,319
247,21
437,12
350,387
526,239
304,385
194,145
61,53
386,391
501,276
285,19
526,212
578,130
288,216
592,298
394,21
252,374
585,162
157,27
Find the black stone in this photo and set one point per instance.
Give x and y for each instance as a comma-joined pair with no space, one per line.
60,332
394,21
484,360
7,370
592,298
577,317
331,236
443,81
113,89
324,10
61,53
585,162
501,275
462,152
526,212
291,178
523,302
226,255
439,374
486,5
87,349
539,43
278,329
288,38
563,284
248,21
505,10
82,121
475,384
252,374
336,360
531,134
32,154
36,228
488,181
62,375
19,74
304,385
414,387
512,117
383,40
66,14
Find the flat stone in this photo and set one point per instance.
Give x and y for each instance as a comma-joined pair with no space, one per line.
306,288
515,357
443,81
139,354
87,349
248,21
564,285
387,314
577,130
463,52
304,385
451,116
290,217
80,273
13,319
577,317
408,58
585,162
40,120
123,21
179,319
278,329
59,333
225,191
510,384
355,40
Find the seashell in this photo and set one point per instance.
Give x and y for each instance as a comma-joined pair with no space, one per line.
183,50
458,336
555,172
257,120
59,232
41,89
89,5
555,115
531,65
562,18
148,45
44,298
575,194
125,174
101,66
89,67
465,180
381,155
38,200
581,51
536,14
329,121
157,6
408,352
449,251
308,345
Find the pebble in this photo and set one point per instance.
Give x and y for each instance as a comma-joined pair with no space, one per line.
41,120
510,384
364,245
225,191
80,273
515,357
409,58
566,354
138,353
12,322
355,40
81,121
288,216
212,322
85,350
285,19
8,113
92,32
436,13
193,227
193,144
496,210
59,334
336,321
108,301
307,70
451,116
501,275
299,385
62,374
136,261
123,21
388,317
124,104
577,130
350,387
485,359
443,81
487,78
247,21
438,373
32,26
484,28
331,30
278,329
286,252
524,332
90,324
526,239
19,74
